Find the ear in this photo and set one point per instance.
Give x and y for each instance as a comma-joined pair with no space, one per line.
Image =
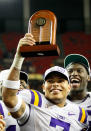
88,78
43,87
69,88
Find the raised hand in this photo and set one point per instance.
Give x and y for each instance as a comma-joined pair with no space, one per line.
26,40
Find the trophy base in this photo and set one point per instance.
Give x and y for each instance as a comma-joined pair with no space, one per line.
39,50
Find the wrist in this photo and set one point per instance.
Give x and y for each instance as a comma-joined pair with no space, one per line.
18,61
11,84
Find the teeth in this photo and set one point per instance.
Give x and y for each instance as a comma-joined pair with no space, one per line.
75,81
56,89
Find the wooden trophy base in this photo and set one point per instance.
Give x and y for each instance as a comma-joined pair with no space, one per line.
39,50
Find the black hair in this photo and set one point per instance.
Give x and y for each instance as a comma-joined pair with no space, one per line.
24,76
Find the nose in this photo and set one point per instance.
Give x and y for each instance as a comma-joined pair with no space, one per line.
55,84
74,73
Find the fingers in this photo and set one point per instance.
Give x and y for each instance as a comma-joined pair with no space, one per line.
27,40
29,36
2,128
2,123
1,116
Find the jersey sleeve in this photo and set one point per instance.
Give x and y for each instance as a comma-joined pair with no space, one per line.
11,123
1,109
31,97
83,116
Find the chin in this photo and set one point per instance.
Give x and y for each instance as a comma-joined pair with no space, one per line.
75,88
56,98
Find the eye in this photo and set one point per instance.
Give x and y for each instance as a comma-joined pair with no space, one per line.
70,71
60,80
79,70
50,81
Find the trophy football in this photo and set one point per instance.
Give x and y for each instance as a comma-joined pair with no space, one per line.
42,25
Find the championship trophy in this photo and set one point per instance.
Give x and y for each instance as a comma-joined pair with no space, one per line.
42,25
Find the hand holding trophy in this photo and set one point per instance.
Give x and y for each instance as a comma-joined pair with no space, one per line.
42,25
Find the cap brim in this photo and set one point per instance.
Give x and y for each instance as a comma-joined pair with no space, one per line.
55,72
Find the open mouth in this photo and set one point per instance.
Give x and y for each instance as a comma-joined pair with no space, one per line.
75,82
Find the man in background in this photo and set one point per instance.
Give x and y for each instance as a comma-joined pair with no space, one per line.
78,69
24,80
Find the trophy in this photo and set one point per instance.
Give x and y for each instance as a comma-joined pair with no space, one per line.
42,25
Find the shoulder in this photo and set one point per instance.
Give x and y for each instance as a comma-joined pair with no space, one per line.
80,113
31,97
72,106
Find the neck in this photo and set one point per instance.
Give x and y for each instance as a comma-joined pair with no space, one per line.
60,103
77,95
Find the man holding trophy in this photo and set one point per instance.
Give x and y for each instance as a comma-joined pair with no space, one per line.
35,111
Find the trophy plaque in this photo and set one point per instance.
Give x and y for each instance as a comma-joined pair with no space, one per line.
42,25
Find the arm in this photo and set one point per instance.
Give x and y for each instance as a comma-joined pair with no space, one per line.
11,85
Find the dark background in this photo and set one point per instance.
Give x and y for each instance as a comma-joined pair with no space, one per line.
70,14
74,32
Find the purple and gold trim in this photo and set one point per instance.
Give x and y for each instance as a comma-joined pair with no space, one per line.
82,116
36,98
1,110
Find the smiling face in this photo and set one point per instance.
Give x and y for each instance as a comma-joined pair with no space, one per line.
78,77
56,88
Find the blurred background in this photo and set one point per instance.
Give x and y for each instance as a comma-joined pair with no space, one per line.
73,31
